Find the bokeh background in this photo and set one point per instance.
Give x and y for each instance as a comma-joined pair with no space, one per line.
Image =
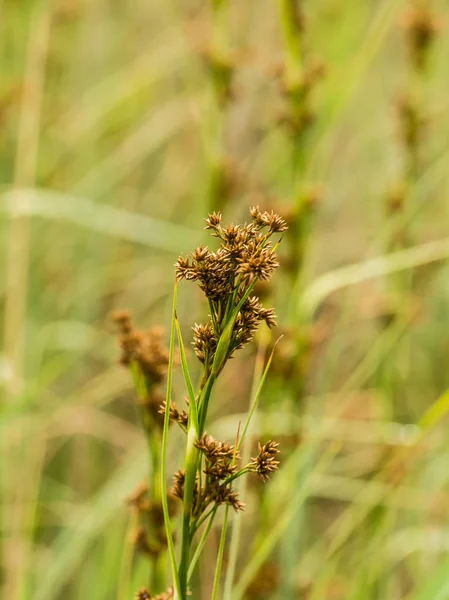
123,124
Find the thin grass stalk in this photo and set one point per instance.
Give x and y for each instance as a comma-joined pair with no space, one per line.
157,580
201,543
167,521
220,555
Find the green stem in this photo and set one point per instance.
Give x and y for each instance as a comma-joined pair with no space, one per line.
191,462
220,555
201,543
200,520
158,577
203,403
167,521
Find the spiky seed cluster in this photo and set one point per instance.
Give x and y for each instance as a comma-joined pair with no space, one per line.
145,350
143,347
273,221
226,277
181,417
178,483
214,450
265,463
219,468
143,594
204,341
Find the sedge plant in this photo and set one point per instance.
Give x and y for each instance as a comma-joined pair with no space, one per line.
227,277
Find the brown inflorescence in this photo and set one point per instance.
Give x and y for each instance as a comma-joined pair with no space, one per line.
143,594
265,463
220,469
181,417
143,350
142,347
227,277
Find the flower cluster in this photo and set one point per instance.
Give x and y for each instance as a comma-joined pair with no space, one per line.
180,417
144,594
144,350
265,463
227,277
221,470
143,347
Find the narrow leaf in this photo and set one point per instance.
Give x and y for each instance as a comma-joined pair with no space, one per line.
168,528
193,409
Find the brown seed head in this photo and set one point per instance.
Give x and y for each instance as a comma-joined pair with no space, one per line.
204,341
223,494
265,463
213,221
180,417
214,450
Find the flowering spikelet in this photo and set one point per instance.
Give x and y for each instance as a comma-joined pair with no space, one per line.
143,347
143,594
214,450
181,417
223,494
265,463
178,483
204,341
226,277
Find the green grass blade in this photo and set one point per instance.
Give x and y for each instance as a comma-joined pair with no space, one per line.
257,395
220,555
201,543
193,409
168,529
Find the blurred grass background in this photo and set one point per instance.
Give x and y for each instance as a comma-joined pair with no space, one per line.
110,137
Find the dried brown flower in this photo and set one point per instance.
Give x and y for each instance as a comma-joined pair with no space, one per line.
143,594
204,341
223,494
272,220
143,347
265,463
214,450
178,484
220,469
213,221
181,417
227,277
